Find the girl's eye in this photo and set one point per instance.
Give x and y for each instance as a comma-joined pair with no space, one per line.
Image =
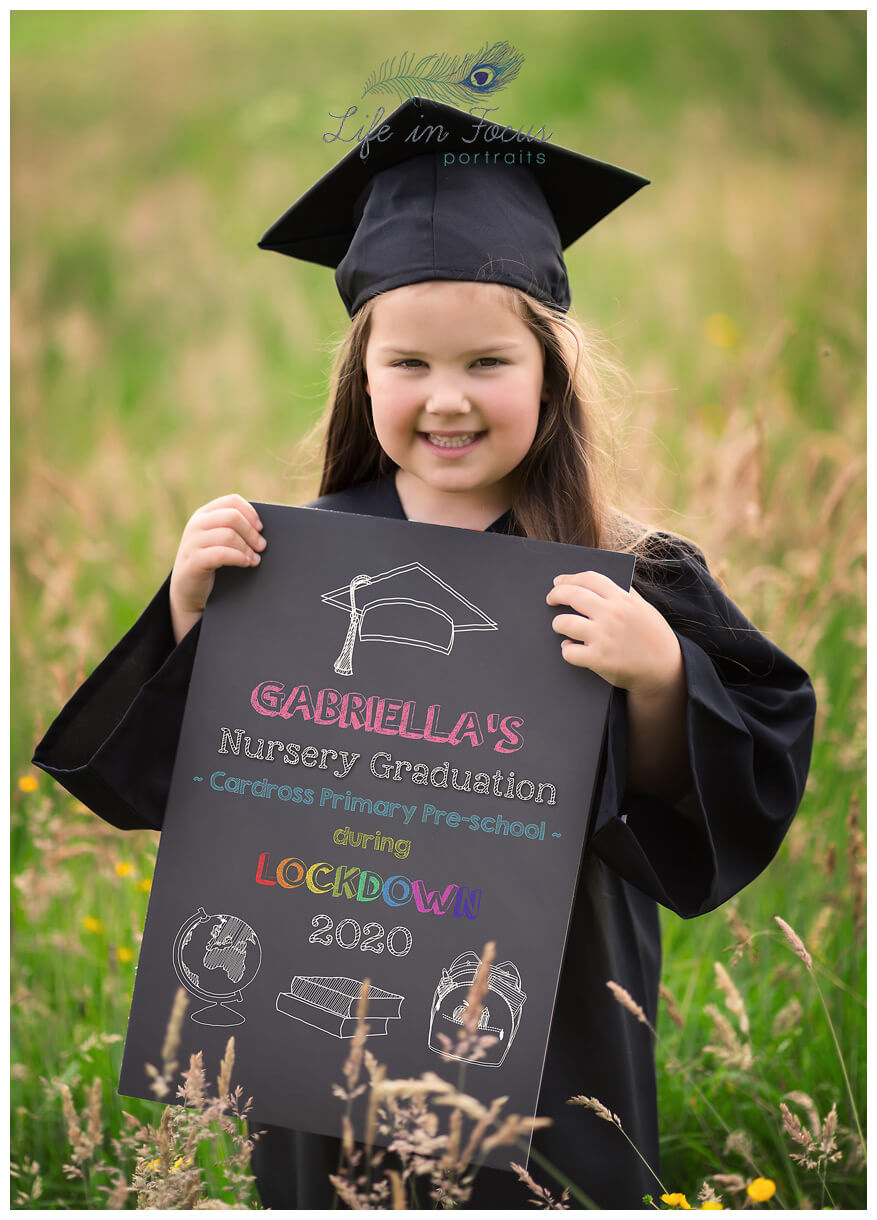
487,362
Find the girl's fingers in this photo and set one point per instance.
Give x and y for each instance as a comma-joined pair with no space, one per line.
595,581
226,539
227,556
581,599
573,626
584,657
234,519
577,654
238,502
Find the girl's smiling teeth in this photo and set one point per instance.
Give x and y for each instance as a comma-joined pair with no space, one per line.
451,440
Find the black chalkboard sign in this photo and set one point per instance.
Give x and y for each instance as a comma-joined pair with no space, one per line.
384,764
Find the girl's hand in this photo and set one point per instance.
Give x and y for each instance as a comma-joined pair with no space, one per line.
625,640
225,531
617,634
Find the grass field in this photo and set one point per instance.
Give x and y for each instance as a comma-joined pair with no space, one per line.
159,360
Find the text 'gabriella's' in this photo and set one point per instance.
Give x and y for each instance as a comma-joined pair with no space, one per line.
393,717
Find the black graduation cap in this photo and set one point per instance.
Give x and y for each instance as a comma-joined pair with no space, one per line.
444,195
406,605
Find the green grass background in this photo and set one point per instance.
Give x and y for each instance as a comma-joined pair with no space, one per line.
159,359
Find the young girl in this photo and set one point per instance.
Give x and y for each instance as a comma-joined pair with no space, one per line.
460,398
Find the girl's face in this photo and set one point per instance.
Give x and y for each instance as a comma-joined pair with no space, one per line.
455,380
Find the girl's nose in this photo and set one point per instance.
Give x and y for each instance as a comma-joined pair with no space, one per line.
447,398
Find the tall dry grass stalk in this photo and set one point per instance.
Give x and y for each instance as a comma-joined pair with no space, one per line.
602,1111
420,1154
858,866
801,952
732,1048
26,1183
169,1160
729,1049
817,1142
161,1081
541,1196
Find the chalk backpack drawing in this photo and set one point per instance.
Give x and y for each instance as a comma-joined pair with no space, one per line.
500,1015
406,605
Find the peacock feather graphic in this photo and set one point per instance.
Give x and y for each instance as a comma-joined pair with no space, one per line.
453,79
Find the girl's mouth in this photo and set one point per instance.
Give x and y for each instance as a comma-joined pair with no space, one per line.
451,444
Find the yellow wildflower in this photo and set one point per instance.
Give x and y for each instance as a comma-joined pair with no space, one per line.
721,331
181,1162
676,1200
91,924
152,1164
761,1190
28,783
123,868
711,1206
145,885
124,954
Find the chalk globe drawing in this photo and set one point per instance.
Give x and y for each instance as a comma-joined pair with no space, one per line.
215,957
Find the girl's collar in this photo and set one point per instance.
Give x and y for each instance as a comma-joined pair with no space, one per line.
502,525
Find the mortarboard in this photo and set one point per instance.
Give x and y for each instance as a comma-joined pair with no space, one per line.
445,195
406,605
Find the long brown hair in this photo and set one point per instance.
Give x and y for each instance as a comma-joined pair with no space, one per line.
565,484
561,485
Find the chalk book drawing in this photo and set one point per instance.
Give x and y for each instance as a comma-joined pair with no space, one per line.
405,605
500,1014
329,1003
215,957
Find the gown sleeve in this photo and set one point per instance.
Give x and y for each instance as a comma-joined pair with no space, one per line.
113,745
750,722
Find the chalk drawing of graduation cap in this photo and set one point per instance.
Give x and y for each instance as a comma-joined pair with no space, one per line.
406,605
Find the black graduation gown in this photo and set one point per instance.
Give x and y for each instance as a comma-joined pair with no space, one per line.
750,728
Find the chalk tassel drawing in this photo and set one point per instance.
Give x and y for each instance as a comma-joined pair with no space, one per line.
500,1013
328,1003
344,663
407,605
210,952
